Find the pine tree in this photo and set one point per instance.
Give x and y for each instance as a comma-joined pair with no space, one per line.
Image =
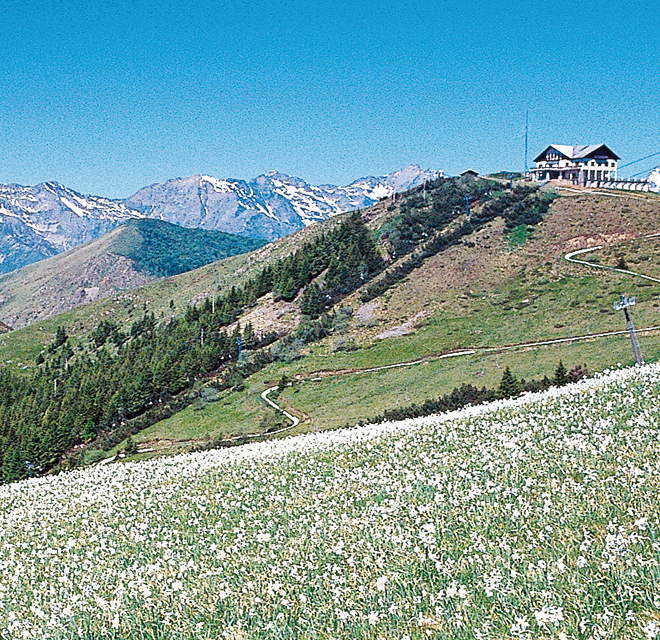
130,448
561,375
509,385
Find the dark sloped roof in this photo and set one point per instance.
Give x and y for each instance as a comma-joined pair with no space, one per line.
584,151
578,151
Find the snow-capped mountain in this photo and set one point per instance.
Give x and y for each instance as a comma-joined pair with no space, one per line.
269,206
42,221
654,179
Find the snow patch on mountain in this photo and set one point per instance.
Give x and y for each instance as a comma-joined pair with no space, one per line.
44,220
654,179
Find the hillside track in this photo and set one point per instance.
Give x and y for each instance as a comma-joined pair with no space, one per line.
318,376
604,193
570,257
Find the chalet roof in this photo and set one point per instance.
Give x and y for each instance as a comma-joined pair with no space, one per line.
578,151
584,151
563,149
470,172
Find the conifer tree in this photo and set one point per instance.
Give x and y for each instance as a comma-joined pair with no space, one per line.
561,375
509,385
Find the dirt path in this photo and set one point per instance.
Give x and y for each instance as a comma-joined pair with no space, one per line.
318,376
570,257
321,375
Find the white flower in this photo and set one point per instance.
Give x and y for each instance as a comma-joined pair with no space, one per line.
373,618
520,626
651,630
548,615
381,583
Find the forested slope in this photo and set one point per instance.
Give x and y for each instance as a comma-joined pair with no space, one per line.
116,381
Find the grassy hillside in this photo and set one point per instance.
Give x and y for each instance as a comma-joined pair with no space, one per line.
130,256
531,518
480,295
449,285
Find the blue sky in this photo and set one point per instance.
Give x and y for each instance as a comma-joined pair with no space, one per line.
106,97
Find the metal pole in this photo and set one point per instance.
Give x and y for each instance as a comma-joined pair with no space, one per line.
633,338
623,304
526,138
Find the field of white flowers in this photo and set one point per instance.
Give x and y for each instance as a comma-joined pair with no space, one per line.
532,518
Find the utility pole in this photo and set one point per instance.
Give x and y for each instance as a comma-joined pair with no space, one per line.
625,303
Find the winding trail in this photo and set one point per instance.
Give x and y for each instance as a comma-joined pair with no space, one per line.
295,421
570,257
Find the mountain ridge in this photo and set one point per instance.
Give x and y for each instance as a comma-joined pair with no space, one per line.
38,222
134,254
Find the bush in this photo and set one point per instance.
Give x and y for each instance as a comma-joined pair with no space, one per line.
130,448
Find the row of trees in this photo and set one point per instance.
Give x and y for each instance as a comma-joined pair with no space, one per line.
429,226
509,387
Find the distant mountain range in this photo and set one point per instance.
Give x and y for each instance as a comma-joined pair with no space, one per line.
45,220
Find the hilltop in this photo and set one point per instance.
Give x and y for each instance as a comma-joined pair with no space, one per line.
138,252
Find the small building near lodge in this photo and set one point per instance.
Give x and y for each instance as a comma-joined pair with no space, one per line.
470,174
578,165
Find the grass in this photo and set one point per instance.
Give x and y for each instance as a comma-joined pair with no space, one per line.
337,401
518,236
527,306
543,302
234,414
529,518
